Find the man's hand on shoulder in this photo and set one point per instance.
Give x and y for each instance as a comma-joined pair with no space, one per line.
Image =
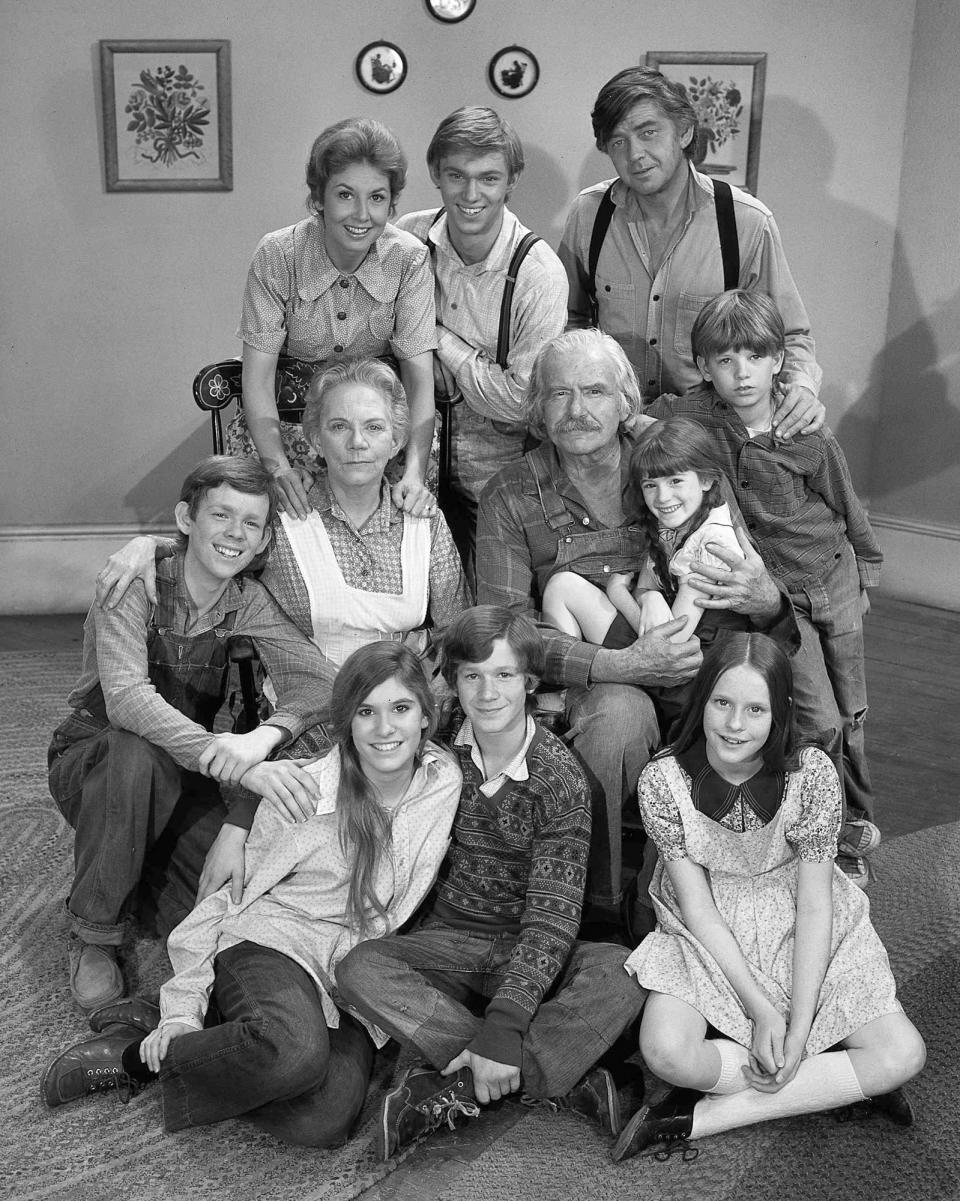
491,1080
653,659
799,412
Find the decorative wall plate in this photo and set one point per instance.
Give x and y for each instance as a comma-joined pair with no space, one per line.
513,72
381,67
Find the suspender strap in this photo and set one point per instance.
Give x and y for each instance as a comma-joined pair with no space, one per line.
727,229
601,223
506,304
554,510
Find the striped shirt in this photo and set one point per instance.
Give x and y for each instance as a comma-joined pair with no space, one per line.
468,301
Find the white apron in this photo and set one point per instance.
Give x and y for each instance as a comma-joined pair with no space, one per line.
346,618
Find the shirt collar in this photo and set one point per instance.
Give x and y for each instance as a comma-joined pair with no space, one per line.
498,256
323,501
326,772
517,769
562,481
714,796
699,192
171,570
318,273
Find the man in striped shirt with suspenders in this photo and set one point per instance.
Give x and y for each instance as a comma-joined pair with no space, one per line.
501,294
643,253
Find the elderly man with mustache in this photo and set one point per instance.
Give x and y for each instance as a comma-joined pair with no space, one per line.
560,509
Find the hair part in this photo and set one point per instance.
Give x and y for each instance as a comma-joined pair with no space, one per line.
581,343
471,637
372,373
354,140
476,130
671,447
364,825
740,319
770,662
243,475
630,87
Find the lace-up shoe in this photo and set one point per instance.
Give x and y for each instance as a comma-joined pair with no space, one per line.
94,1066
422,1101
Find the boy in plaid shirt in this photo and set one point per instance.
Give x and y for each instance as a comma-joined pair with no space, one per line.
800,507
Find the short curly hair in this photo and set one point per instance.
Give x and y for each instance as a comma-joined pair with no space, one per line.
375,374
355,140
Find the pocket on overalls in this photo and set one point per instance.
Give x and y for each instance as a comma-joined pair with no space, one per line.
78,727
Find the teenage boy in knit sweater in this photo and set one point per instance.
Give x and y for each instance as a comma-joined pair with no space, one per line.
493,989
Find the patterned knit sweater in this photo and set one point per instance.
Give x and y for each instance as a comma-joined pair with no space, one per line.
517,864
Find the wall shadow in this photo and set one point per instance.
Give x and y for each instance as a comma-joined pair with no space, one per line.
151,497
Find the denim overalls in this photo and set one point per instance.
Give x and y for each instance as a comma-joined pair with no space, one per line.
137,814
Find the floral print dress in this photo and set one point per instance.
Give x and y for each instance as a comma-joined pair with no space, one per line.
752,861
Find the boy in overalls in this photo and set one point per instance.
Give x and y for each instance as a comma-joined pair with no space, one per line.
136,769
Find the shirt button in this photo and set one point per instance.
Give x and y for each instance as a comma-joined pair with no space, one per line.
568,539
606,568
341,316
453,306
338,349
657,297
586,520
651,383
653,341
344,283
606,287
744,483
751,525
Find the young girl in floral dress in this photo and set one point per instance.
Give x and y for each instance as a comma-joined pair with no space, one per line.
759,935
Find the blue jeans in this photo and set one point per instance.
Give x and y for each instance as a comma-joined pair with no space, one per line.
613,729
120,793
272,1059
829,679
417,987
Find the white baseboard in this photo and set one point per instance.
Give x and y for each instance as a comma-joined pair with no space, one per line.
921,562
52,569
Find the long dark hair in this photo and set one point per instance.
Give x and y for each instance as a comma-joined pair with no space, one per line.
772,665
670,447
363,823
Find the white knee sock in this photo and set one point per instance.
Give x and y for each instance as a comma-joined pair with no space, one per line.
733,1058
822,1082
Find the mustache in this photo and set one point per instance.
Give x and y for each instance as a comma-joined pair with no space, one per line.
579,425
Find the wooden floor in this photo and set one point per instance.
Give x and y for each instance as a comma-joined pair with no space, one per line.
913,679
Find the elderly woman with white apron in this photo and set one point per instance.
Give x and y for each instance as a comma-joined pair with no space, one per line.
358,569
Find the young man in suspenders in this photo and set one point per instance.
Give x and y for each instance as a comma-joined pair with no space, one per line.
501,294
644,253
